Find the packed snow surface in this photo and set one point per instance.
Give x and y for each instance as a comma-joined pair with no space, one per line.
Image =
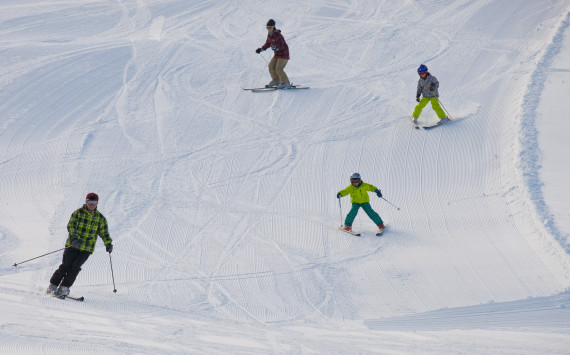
222,202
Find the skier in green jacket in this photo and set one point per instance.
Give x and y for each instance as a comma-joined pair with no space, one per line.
84,226
358,191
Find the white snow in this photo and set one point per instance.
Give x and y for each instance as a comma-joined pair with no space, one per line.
221,202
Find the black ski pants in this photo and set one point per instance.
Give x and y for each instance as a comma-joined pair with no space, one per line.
70,266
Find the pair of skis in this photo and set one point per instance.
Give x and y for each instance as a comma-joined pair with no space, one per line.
379,233
440,123
266,88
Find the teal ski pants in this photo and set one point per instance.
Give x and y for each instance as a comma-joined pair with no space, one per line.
367,208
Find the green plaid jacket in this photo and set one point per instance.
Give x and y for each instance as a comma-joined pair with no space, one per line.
84,226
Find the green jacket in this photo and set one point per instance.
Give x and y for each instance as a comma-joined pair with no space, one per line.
84,226
358,194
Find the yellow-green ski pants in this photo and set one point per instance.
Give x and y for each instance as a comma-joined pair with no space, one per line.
434,104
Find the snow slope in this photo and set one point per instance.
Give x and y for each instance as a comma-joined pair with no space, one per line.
221,202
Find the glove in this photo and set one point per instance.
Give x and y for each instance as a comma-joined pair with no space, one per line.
379,193
258,50
109,248
338,195
75,242
418,99
275,49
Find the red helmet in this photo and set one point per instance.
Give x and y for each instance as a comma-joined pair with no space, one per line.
92,196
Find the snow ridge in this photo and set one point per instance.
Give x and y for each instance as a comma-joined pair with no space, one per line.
531,154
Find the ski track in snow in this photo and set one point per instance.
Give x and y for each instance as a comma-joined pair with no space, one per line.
222,205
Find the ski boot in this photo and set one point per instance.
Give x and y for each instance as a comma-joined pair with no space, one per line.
381,228
272,84
282,86
51,289
61,292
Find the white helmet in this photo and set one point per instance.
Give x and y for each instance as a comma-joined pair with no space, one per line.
355,176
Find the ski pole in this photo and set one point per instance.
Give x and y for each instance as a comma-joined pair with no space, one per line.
448,115
112,275
390,203
340,210
266,62
37,257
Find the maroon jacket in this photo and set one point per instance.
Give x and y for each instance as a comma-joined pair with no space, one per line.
276,41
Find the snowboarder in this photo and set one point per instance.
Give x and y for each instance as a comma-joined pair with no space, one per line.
280,58
358,191
85,224
428,88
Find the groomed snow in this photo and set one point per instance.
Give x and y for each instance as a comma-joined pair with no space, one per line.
221,202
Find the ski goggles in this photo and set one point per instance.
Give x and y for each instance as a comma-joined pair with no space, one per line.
91,202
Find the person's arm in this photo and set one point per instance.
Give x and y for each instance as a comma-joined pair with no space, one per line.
345,191
267,44
433,84
419,90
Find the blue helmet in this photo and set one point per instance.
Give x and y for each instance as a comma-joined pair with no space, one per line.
355,176
422,68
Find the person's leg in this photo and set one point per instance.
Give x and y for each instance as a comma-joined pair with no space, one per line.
279,69
437,108
372,214
71,275
272,64
352,214
69,256
419,107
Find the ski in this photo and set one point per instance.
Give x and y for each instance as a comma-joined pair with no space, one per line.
383,230
349,232
440,123
293,87
80,299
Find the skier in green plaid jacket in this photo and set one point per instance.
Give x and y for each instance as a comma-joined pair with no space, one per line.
85,224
